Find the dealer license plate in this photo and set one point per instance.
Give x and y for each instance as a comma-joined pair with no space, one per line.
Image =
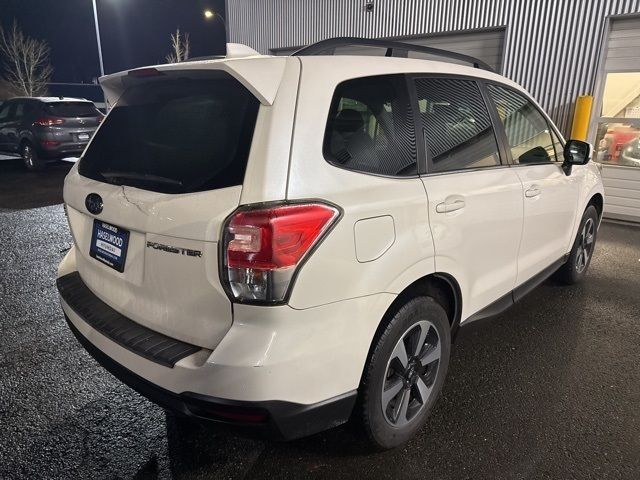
109,244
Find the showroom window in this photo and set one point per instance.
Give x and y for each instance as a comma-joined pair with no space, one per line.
527,130
370,127
618,134
457,128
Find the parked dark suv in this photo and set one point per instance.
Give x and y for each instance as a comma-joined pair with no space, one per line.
43,128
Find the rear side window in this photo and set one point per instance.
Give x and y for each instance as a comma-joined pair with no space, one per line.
175,136
457,127
370,127
72,109
526,128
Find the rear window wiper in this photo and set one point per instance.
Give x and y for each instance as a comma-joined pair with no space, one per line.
145,177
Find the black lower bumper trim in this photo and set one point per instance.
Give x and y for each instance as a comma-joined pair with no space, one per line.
125,332
273,419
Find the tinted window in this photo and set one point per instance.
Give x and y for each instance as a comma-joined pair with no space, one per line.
71,109
370,127
175,136
527,130
456,123
4,111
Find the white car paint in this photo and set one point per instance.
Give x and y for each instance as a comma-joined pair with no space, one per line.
314,347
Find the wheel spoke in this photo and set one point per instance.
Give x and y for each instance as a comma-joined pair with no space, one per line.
423,390
579,258
431,355
401,407
391,392
424,330
400,352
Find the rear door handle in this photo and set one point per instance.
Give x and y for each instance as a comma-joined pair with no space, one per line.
446,207
532,192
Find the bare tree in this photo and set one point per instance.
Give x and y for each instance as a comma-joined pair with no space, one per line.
179,47
26,62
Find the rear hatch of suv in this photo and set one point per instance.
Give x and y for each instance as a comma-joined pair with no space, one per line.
165,168
71,121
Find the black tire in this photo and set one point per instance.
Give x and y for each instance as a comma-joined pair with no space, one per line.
582,251
381,416
30,157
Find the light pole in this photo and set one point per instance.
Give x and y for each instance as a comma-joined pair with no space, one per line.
95,20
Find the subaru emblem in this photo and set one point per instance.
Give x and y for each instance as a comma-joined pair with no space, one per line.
93,202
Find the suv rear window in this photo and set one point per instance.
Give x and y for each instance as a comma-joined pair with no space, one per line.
175,136
72,109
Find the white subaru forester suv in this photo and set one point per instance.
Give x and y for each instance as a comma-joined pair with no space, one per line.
283,244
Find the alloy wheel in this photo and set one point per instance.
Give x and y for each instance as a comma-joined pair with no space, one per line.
585,245
411,373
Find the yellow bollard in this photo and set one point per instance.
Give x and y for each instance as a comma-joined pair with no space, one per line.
581,117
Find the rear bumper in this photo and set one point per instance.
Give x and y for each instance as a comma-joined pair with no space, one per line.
62,150
272,419
300,368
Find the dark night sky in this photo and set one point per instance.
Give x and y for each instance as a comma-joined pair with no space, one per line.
133,32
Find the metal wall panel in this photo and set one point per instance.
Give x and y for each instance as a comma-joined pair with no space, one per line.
551,46
623,48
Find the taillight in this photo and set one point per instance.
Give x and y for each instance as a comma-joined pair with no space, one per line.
48,121
263,247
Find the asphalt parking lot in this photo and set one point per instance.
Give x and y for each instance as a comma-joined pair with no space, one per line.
550,389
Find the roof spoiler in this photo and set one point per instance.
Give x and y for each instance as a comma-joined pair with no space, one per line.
260,75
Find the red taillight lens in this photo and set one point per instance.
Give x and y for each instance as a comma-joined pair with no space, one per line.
48,121
264,246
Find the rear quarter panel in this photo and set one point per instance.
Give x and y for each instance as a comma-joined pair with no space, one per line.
334,272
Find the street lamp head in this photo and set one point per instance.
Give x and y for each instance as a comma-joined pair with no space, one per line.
208,14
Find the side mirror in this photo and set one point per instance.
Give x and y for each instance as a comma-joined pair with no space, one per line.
576,152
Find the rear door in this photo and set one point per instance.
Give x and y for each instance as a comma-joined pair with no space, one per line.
168,164
475,199
550,197
7,111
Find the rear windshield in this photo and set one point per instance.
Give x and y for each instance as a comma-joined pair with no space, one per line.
175,136
72,109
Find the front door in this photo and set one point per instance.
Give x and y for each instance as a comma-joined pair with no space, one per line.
475,201
550,197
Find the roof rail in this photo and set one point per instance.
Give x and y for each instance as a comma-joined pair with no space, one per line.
393,49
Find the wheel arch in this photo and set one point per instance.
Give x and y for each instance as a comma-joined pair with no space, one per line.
597,200
441,286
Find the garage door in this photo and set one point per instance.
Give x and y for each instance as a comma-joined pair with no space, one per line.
617,132
487,45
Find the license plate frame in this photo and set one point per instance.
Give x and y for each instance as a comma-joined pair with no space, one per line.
109,244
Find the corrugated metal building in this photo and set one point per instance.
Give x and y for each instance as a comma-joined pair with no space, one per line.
556,49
